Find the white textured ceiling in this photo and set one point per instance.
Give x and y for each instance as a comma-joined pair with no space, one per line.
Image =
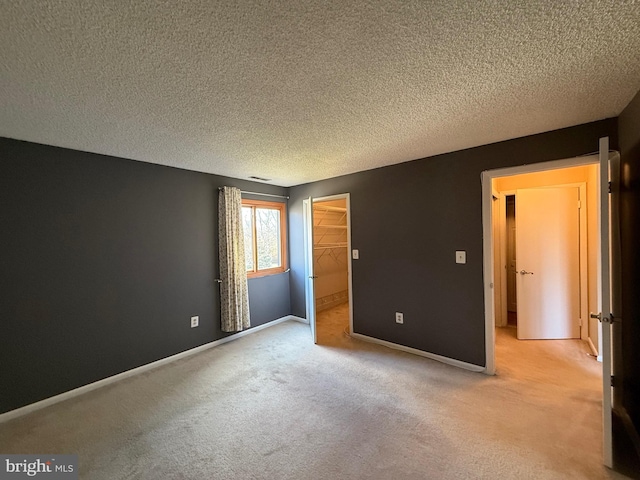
297,91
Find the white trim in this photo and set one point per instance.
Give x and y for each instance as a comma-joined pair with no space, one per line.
309,282
487,256
422,353
594,350
584,262
350,261
487,235
19,412
496,203
541,166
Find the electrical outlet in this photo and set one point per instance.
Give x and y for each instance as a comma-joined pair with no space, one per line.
461,256
195,321
355,254
399,317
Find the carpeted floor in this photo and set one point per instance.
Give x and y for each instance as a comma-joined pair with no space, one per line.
274,406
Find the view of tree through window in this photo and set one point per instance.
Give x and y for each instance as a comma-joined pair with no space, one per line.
247,229
268,238
262,224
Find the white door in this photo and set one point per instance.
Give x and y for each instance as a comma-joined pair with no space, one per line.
604,301
310,293
548,263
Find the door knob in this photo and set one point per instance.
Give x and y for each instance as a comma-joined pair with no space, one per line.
524,272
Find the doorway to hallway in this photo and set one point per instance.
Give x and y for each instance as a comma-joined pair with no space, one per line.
545,275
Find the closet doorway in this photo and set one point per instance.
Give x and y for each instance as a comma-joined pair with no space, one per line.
328,243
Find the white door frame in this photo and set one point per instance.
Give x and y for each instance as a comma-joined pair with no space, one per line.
309,278
347,198
499,298
487,235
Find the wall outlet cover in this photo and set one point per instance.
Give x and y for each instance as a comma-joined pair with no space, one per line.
399,317
461,256
355,254
195,321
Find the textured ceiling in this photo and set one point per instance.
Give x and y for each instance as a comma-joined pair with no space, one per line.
298,91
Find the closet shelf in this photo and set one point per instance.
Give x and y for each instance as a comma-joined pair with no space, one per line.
326,246
342,227
330,232
328,208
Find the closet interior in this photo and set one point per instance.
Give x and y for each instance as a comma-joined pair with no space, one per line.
330,250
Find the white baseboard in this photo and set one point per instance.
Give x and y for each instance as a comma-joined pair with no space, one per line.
10,415
594,350
299,319
422,353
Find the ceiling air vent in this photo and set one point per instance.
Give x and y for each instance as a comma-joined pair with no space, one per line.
260,179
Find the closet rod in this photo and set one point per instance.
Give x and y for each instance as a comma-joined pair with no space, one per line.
263,194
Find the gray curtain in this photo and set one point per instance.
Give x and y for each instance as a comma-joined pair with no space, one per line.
234,297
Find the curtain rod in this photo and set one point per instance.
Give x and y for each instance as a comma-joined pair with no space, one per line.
263,194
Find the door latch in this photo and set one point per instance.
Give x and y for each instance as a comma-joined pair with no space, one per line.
603,318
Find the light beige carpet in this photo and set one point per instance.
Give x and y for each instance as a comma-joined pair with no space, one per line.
274,406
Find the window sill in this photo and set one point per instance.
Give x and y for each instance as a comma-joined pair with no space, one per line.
267,274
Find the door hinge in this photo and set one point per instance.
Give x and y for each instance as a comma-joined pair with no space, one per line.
609,187
613,319
613,383
579,204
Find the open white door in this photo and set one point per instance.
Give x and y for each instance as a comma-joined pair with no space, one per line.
310,293
604,301
548,262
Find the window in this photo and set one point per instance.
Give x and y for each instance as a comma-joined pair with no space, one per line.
264,228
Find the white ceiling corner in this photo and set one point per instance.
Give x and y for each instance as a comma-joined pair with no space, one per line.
300,91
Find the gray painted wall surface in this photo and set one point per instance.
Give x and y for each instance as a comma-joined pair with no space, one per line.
104,261
408,220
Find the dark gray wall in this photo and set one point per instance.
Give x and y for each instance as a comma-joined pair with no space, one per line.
629,133
407,222
104,261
